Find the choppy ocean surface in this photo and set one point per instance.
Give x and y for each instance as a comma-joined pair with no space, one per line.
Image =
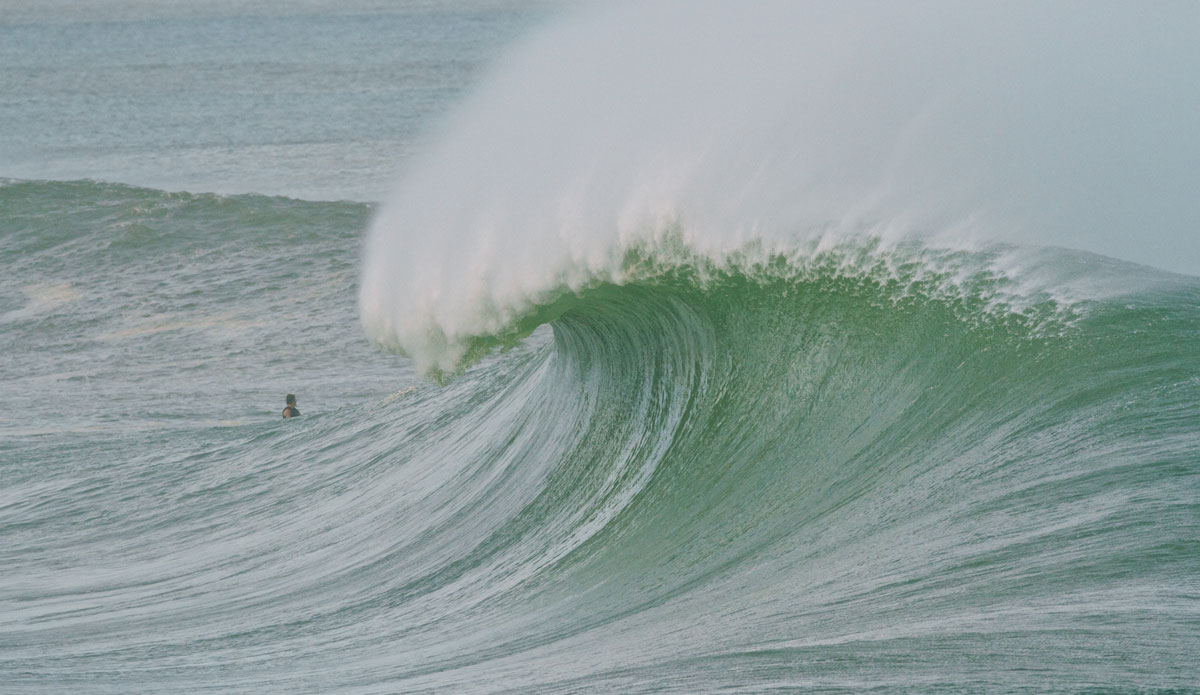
622,390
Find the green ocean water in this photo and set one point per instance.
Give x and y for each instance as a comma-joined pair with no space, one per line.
624,390
827,479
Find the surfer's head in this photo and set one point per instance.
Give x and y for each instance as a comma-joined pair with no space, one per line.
291,399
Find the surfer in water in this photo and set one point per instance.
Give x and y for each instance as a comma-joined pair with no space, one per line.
291,410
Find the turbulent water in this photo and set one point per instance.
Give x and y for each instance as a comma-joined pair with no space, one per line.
628,447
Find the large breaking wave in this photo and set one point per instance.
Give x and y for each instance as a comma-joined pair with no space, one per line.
742,391
861,466
823,415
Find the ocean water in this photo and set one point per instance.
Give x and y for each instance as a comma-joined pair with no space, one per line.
657,348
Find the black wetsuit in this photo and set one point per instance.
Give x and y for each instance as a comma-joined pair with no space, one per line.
295,412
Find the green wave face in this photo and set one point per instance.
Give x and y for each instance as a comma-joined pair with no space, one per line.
789,475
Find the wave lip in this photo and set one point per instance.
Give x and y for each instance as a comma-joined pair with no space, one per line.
445,329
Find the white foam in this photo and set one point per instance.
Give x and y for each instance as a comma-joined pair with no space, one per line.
787,123
43,298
